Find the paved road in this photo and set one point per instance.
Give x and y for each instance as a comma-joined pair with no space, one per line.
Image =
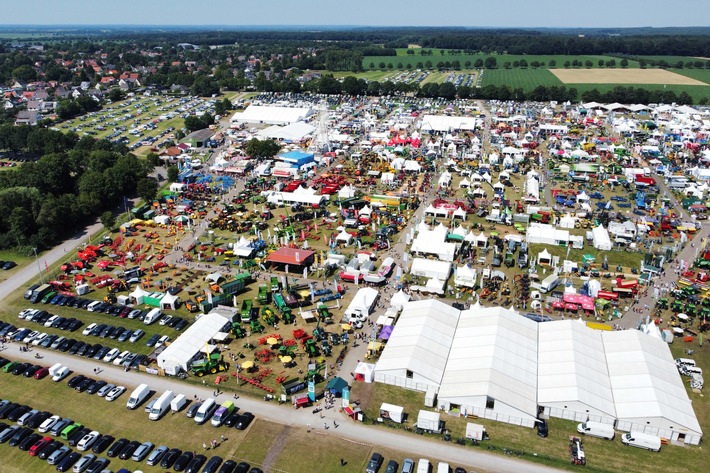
688,253
30,272
312,424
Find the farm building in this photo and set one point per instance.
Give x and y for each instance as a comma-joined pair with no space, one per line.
493,363
291,256
271,115
190,345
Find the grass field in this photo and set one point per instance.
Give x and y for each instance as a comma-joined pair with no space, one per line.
527,79
436,57
703,75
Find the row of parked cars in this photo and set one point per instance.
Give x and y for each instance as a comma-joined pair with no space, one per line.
42,435
408,466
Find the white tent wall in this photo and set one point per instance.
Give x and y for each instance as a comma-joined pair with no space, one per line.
600,239
431,268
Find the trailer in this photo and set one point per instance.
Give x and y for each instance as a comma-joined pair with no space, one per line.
263,296
245,311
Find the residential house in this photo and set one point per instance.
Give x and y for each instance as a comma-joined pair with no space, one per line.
27,117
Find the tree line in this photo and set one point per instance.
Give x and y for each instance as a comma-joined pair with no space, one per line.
46,199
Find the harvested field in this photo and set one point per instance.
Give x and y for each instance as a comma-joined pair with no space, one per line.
623,76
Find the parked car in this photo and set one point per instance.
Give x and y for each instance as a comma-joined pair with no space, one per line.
169,459
156,455
115,449
244,420
102,443
142,451
84,463
374,464
59,454
115,393
87,441
195,464
105,389
51,447
68,461
182,461
128,450
98,465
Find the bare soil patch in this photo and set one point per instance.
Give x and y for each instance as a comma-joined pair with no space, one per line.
623,76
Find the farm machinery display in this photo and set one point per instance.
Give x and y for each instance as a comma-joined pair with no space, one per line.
212,364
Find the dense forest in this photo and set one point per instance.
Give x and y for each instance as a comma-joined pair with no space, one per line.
74,179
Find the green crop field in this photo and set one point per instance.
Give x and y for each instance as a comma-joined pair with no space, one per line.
698,74
436,57
695,91
526,79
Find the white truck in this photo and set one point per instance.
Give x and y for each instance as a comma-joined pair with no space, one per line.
161,406
178,403
549,283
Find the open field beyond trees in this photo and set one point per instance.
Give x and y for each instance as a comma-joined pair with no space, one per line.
623,76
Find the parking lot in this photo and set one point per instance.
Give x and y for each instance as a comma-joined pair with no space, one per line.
140,122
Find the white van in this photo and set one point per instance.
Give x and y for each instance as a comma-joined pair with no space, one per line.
161,406
139,394
596,429
60,374
205,411
640,440
152,316
178,403
443,467
92,307
684,362
423,466
54,368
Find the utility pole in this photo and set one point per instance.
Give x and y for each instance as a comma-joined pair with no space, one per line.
39,268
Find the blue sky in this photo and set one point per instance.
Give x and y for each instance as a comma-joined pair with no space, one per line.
489,13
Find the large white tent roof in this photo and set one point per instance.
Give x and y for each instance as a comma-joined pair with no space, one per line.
446,123
644,380
420,342
572,367
495,353
505,363
293,132
188,344
272,115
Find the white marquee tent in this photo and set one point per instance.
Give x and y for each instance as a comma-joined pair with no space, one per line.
179,354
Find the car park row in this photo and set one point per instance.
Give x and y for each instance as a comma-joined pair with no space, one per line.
35,429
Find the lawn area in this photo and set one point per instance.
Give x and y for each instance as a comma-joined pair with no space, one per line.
526,79
671,59
21,259
697,92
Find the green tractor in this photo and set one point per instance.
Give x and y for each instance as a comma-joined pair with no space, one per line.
268,316
287,351
319,334
323,315
263,296
311,348
315,373
238,331
287,316
210,365
256,326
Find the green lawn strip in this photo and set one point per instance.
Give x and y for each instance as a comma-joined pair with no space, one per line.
702,75
527,79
